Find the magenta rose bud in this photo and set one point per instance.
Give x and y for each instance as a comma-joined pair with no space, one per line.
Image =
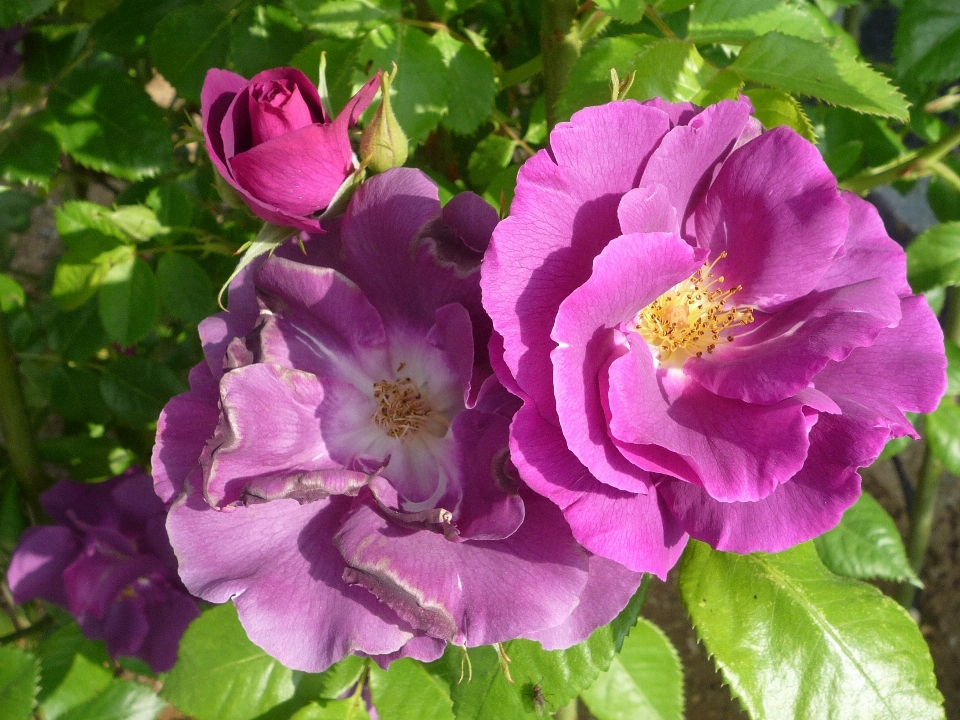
273,141
339,468
109,562
709,338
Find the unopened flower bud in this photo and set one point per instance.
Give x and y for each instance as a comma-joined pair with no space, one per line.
384,144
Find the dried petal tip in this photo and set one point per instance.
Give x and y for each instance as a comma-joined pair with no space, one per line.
384,144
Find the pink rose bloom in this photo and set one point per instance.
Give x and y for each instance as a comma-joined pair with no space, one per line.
273,141
709,338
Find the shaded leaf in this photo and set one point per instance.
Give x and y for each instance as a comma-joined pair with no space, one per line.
185,288
472,80
737,22
74,670
345,19
645,679
263,37
32,156
128,302
865,545
136,389
933,258
420,93
108,123
928,40
19,11
793,640
832,74
188,42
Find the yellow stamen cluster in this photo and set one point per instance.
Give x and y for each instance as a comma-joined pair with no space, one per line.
401,408
688,319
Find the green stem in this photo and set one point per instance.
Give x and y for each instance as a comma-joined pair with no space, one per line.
653,17
20,443
37,627
911,165
951,316
921,521
560,45
515,76
567,712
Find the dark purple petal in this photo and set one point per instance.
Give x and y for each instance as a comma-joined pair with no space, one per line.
36,568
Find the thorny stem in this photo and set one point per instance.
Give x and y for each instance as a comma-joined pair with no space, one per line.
909,166
37,627
921,521
18,435
560,45
653,17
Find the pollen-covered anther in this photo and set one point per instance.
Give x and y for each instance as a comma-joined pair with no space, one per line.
689,319
401,408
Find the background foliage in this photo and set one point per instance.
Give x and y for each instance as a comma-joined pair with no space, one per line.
100,303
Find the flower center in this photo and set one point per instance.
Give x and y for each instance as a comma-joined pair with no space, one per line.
401,408
688,319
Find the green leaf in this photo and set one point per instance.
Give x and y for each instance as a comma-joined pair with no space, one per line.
266,241
589,82
953,367
671,69
865,545
127,222
19,11
878,141
491,155
334,681
12,521
341,58
928,41
125,31
725,85
88,458
263,37
943,434
171,204
345,19
185,288
832,74
136,389
472,80
933,258
944,199
349,709
121,700
128,302
19,676
11,294
737,22
793,640
15,207
645,679
78,334
775,107
409,684
75,394
221,675
74,670
32,155
188,42
109,123
83,267
560,674
420,93
627,11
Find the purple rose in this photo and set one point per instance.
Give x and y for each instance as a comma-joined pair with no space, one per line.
272,140
708,337
340,467
108,561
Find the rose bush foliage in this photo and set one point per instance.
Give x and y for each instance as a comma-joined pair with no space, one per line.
708,337
274,142
108,561
341,457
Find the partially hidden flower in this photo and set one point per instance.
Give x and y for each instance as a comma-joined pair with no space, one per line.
10,56
340,468
708,337
271,138
108,562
